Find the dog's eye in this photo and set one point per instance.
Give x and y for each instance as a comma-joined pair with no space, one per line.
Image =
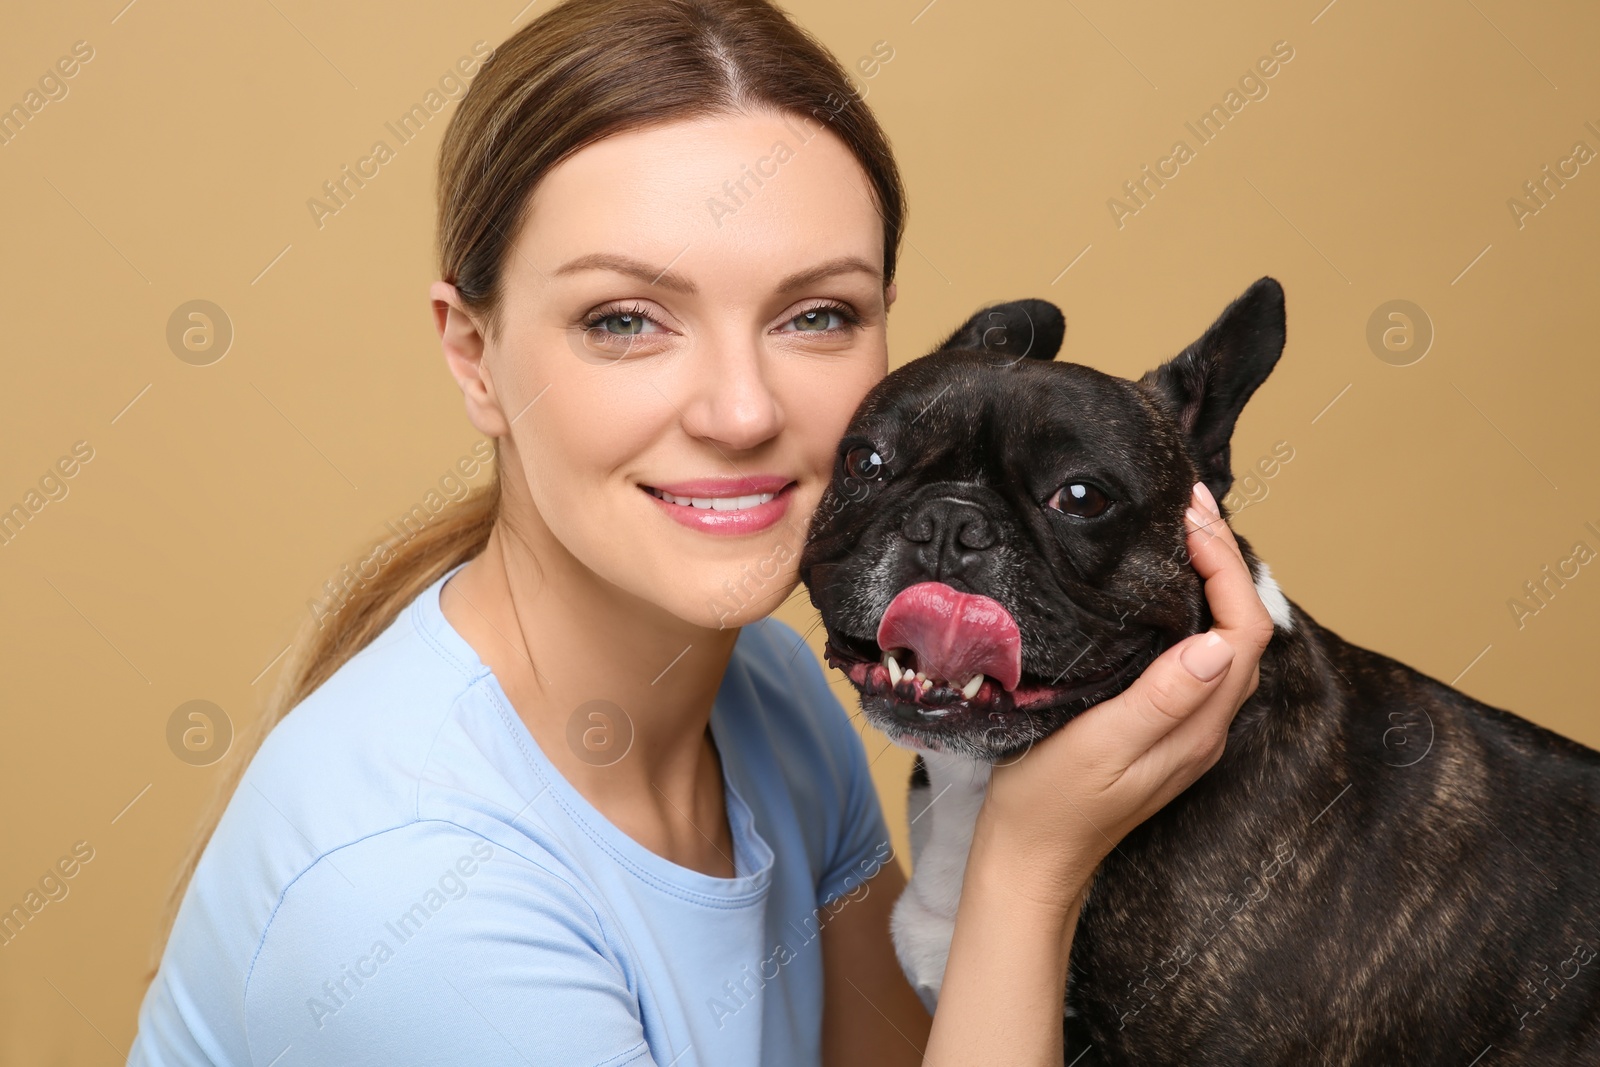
863,462
1081,499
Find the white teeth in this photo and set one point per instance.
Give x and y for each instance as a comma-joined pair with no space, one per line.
716,503
898,674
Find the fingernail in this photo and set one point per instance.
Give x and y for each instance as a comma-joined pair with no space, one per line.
1207,501
1207,658
1201,523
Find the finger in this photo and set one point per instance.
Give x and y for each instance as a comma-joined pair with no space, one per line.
1191,748
1160,700
1197,740
1170,704
1229,586
1199,736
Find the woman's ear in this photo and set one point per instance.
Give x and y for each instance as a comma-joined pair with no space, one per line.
463,344
890,291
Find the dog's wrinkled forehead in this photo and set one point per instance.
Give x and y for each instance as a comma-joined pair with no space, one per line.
970,416
992,403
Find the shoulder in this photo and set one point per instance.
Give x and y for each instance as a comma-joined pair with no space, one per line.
346,762
392,886
393,692
345,766
396,947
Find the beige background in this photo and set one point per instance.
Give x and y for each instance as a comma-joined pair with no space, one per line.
1419,500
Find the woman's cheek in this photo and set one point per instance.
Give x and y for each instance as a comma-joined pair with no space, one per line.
556,464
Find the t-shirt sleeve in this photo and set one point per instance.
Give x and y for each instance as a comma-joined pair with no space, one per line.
859,844
429,944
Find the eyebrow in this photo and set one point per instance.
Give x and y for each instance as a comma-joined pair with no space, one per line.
667,279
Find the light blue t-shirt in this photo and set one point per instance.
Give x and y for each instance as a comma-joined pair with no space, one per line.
403,877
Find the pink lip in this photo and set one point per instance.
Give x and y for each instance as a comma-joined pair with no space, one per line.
728,523
742,486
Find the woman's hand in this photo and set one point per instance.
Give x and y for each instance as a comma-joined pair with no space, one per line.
1050,817
1061,807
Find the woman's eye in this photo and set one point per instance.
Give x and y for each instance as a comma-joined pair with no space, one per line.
623,324
818,320
1081,499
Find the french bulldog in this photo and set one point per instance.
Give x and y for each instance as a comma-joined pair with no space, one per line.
1379,869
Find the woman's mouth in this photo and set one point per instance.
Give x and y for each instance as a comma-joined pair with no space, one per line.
729,506
715,503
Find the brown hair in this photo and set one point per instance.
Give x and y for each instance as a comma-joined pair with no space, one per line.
583,71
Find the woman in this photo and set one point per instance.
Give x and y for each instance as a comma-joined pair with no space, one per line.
553,790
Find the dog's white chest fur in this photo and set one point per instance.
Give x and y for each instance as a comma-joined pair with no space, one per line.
942,818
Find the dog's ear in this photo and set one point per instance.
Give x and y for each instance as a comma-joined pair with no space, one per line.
1206,385
1020,329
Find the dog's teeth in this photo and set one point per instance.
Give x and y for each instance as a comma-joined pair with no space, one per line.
970,690
894,668
920,677
927,684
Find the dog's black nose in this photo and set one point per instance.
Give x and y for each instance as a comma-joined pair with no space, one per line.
950,535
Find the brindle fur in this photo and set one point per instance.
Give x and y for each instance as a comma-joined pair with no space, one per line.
1379,870
1417,902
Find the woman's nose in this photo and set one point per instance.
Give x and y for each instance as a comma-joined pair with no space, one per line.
730,400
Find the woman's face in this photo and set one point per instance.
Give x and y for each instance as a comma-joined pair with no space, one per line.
690,315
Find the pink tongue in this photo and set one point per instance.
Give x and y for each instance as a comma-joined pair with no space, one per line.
954,635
